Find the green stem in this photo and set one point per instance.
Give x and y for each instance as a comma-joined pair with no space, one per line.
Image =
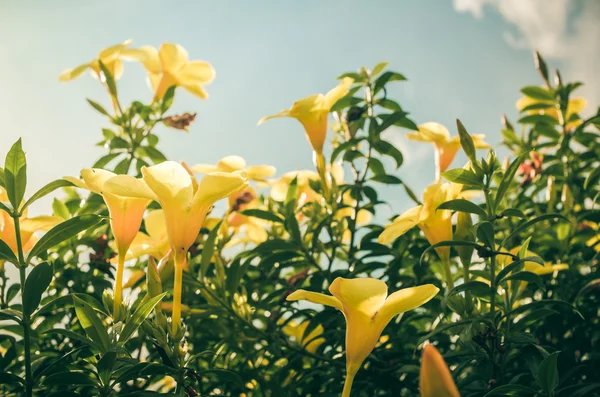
26,319
348,384
118,298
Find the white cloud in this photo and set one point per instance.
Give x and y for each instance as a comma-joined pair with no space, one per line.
563,30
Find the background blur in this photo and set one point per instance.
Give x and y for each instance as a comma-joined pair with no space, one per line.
464,59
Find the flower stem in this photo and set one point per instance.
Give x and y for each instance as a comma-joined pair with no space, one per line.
448,273
322,170
348,384
26,319
118,298
177,285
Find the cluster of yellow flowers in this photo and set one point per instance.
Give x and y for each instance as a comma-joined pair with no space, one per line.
185,203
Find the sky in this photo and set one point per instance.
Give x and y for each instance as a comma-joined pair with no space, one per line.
464,59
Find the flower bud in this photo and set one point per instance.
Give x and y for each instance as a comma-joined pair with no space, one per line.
153,281
463,232
107,301
435,378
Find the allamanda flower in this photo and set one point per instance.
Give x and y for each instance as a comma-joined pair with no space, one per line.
111,57
435,224
237,163
435,379
367,309
126,214
185,204
169,66
445,146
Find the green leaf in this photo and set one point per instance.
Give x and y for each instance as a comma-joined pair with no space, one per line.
60,209
208,250
540,65
73,336
91,323
387,179
2,177
49,188
104,160
385,78
539,93
485,233
388,120
379,68
261,214
140,314
386,148
109,79
15,174
513,212
145,369
62,232
344,146
167,100
592,178
10,314
291,196
547,375
70,378
7,254
456,243
463,205
466,142
36,284
538,119
155,155
507,178
463,177
6,378
516,266
98,107
524,226
105,367
477,288
511,390
528,277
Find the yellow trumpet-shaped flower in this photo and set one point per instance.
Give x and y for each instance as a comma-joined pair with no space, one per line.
237,163
435,379
574,107
368,309
111,57
445,146
185,204
169,66
312,112
28,226
435,224
154,242
125,212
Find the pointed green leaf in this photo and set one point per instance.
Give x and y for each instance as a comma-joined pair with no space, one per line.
36,284
91,323
141,313
15,174
49,188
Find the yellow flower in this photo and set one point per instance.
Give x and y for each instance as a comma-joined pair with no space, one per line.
185,204
310,342
169,66
126,215
362,218
111,57
312,112
237,163
255,230
445,146
435,224
154,242
574,107
305,193
367,309
435,379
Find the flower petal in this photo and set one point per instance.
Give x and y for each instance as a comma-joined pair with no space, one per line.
172,57
401,225
260,172
71,74
95,178
406,299
231,164
155,224
217,185
336,93
359,295
196,89
283,113
171,184
203,168
196,72
128,186
434,132
315,297
146,55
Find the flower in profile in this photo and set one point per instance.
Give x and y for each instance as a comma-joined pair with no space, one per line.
154,241
237,163
126,214
312,112
531,106
28,226
368,309
111,57
435,224
169,66
435,379
445,146
185,204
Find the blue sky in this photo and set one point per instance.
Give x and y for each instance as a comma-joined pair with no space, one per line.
266,54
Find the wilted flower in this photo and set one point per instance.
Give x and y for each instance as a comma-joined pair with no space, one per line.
445,146
181,122
435,379
531,168
368,309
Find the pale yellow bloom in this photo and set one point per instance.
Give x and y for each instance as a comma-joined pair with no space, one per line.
574,107
111,57
185,204
312,112
310,342
435,379
368,309
445,146
155,242
169,66
237,163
